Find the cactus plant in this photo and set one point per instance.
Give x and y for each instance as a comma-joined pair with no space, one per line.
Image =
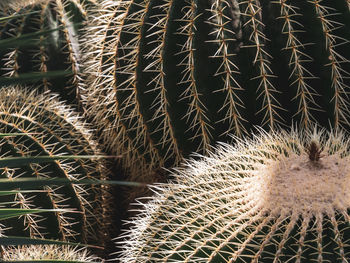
279,197
49,128
56,50
172,77
49,252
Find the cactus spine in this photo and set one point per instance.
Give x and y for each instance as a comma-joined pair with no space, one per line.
49,128
280,197
172,77
57,50
49,252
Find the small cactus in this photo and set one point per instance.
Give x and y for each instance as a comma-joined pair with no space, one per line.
266,199
56,50
48,128
171,77
49,252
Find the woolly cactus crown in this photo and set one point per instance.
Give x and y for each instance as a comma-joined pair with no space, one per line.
280,197
47,252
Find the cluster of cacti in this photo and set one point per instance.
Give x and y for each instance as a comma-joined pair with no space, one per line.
161,79
49,252
172,77
46,127
280,197
55,48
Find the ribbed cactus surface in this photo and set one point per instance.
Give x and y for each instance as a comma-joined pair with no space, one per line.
171,77
280,197
49,129
49,252
56,50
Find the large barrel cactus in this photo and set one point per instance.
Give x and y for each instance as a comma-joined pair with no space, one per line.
55,48
171,77
280,197
42,126
46,253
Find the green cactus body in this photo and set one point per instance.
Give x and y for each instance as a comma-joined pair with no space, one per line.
177,76
49,128
57,50
49,252
263,200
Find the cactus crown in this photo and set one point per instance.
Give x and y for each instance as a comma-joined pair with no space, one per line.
262,200
176,76
49,128
49,252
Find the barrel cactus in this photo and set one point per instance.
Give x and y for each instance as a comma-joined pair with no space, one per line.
56,49
45,127
171,77
279,197
49,252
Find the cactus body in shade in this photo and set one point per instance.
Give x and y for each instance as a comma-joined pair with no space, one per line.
49,252
49,129
171,77
263,200
56,50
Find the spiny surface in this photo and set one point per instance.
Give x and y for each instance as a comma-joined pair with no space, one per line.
171,77
46,252
14,4
262,200
49,128
56,48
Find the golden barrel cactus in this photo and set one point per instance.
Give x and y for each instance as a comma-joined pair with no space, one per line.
279,197
172,77
44,126
55,27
